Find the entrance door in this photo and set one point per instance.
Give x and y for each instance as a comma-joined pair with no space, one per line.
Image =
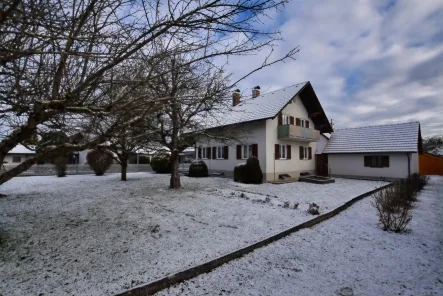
321,165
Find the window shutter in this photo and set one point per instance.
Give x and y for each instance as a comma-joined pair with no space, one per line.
280,119
291,120
255,150
214,152
277,151
208,152
367,161
225,152
199,156
238,151
297,122
300,149
288,151
385,161
307,123
310,152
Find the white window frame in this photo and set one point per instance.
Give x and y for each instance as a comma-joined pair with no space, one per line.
219,151
303,122
204,153
19,157
286,119
305,152
283,150
247,149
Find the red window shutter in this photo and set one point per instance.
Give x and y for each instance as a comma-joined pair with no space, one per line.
310,152
199,153
214,152
291,120
255,150
385,161
301,152
307,123
238,151
280,119
288,151
208,152
225,152
297,122
277,151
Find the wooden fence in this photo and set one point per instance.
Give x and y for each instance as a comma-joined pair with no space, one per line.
74,169
430,164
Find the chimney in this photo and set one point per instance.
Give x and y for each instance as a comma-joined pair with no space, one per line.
236,97
256,91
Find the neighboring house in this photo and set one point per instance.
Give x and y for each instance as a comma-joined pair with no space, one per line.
18,154
282,127
384,151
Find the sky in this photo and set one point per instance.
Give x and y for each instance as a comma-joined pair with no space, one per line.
370,62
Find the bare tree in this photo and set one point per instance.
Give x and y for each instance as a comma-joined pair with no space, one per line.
57,57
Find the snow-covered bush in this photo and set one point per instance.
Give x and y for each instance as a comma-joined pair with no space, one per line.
393,205
99,161
161,163
418,181
250,172
60,166
198,168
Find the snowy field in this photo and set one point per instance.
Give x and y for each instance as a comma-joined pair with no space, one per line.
347,255
88,235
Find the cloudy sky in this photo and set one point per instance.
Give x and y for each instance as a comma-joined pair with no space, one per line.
370,61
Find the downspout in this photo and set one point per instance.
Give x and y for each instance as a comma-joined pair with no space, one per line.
409,164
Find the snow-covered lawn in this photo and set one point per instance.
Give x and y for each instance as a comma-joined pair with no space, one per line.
347,255
87,235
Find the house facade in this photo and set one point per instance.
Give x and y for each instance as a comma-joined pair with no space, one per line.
282,131
374,152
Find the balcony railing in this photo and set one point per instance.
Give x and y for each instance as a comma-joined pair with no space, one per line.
298,133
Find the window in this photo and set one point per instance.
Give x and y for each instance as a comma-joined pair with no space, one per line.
16,159
283,152
220,154
246,151
286,119
204,153
376,161
305,152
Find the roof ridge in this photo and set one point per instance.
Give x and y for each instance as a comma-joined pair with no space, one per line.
409,122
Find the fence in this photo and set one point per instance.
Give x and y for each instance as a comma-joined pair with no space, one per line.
74,169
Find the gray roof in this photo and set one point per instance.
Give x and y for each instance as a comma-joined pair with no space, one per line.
401,137
20,149
265,106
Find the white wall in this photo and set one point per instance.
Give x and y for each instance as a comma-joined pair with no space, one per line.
353,165
321,145
255,135
8,158
295,165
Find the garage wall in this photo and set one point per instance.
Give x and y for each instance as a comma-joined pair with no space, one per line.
352,165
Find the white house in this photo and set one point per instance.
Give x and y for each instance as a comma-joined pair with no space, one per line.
384,151
282,128
18,154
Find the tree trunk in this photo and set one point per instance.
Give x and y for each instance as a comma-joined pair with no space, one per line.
124,169
175,174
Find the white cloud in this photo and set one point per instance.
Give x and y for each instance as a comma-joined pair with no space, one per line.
370,62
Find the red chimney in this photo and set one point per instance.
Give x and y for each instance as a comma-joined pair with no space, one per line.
236,97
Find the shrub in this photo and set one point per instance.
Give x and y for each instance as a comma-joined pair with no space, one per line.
393,205
142,159
99,161
250,172
161,163
198,168
238,172
418,181
60,166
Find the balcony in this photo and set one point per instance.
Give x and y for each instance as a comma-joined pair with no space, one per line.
297,133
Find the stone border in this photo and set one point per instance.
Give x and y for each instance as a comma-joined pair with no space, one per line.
184,275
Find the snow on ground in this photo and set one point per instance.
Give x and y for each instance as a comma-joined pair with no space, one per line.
88,235
347,255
